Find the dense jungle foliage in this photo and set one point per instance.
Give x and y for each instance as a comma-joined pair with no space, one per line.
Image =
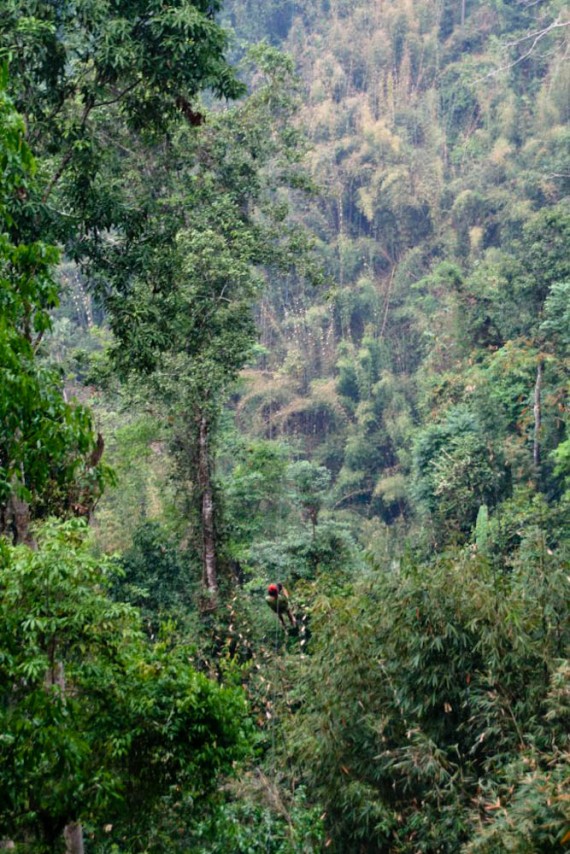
284,296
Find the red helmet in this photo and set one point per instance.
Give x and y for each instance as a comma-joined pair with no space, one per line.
273,590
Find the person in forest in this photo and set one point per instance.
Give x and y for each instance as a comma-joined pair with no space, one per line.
278,600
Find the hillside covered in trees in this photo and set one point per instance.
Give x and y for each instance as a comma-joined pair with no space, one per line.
284,297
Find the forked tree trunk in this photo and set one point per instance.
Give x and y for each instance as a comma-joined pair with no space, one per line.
209,567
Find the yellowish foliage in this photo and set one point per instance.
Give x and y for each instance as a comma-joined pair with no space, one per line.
502,150
391,487
476,237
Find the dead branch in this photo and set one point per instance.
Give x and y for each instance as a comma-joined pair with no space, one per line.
536,37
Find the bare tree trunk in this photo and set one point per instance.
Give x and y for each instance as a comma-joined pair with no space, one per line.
18,518
463,4
537,409
210,573
73,835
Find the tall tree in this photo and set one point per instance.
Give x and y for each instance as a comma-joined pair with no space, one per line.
49,460
81,75
181,293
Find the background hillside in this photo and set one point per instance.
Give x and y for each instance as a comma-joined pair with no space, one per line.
438,139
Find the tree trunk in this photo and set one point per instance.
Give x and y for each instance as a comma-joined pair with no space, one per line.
18,519
537,409
210,573
73,835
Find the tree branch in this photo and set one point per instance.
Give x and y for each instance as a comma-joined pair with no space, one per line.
117,97
536,36
87,110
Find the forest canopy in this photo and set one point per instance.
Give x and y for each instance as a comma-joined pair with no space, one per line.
284,313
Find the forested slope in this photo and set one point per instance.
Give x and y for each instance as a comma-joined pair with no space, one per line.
320,334
438,138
